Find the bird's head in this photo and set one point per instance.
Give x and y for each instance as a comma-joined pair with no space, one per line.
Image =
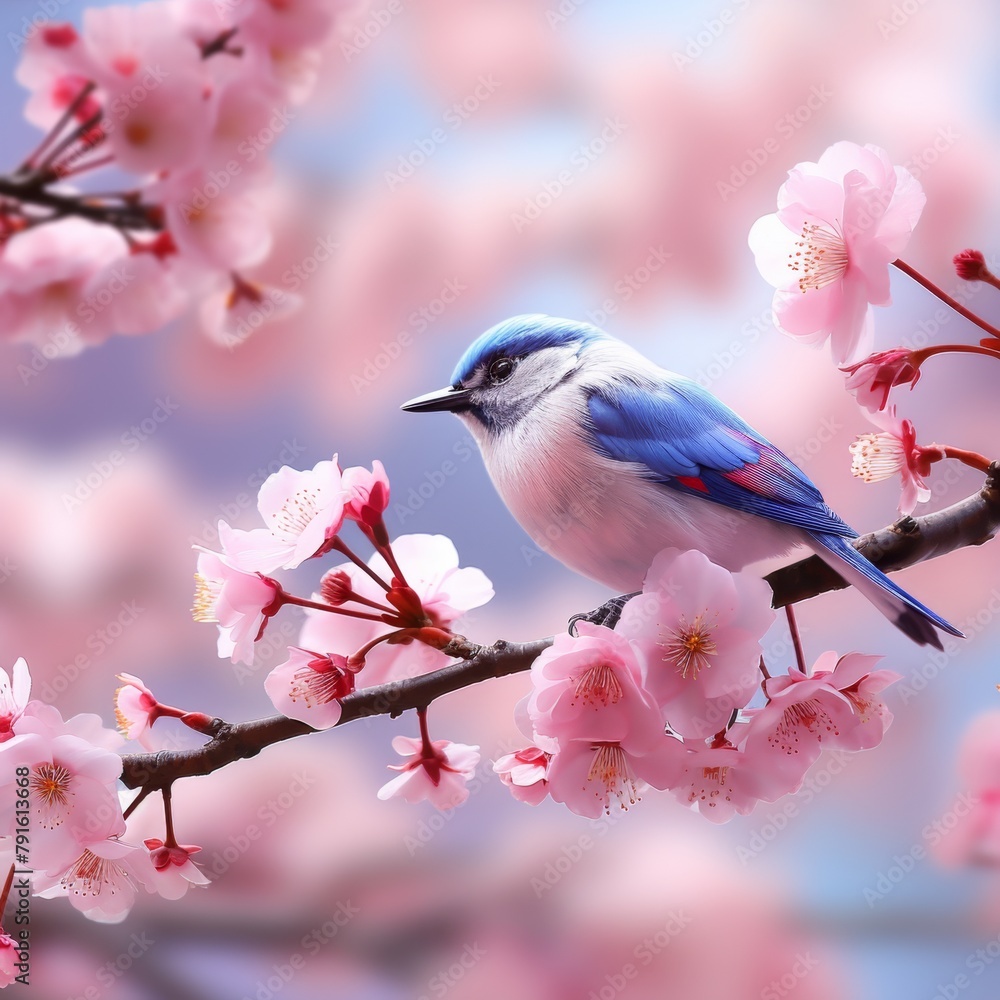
504,373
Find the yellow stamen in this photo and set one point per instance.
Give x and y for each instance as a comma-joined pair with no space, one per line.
688,647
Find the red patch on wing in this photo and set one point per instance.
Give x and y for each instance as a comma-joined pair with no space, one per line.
760,477
692,483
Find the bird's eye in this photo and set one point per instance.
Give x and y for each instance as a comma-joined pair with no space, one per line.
501,370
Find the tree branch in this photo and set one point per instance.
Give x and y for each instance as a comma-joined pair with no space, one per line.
910,540
971,521
28,190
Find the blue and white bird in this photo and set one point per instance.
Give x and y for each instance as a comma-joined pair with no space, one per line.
605,459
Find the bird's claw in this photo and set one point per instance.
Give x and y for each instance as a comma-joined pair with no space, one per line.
608,614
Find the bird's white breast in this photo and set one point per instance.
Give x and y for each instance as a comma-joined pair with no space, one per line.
605,518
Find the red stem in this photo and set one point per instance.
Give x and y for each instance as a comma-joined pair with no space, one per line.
137,801
76,134
358,599
390,558
316,606
946,298
64,172
793,628
342,547
168,815
763,669
6,892
369,646
425,736
970,458
919,357
64,119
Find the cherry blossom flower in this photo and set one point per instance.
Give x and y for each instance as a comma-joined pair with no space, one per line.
525,773
892,451
303,511
368,494
840,222
308,686
446,591
46,272
720,781
870,380
73,793
240,603
236,311
223,234
836,708
291,24
697,628
970,265
47,721
975,838
136,709
13,700
589,686
438,771
101,881
173,870
589,777
9,959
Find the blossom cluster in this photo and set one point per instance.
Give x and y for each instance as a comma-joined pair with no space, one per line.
61,812
841,222
664,700
184,97
368,623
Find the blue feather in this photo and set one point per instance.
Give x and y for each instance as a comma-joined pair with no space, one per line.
520,336
679,430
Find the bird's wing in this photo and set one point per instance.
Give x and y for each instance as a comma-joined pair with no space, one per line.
689,441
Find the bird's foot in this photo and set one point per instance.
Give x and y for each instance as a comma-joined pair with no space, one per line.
608,614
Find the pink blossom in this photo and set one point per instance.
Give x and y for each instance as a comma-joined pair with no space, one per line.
230,315
590,776
720,781
303,512
525,773
840,222
697,628
46,720
173,870
226,233
589,686
368,493
870,380
288,24
136,709
975,838
240,603
837,707
46,272
13,701
430,563
970,265
438,772
9,959
101,881
73,793
308,686
893,451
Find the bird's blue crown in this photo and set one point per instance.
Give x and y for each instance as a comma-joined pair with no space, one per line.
520,336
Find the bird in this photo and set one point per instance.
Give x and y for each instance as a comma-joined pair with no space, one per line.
605,459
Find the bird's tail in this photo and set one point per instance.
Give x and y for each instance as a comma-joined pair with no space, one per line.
904,611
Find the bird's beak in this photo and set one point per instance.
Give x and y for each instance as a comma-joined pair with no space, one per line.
443,399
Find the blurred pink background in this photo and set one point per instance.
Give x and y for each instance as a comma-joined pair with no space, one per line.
600,161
